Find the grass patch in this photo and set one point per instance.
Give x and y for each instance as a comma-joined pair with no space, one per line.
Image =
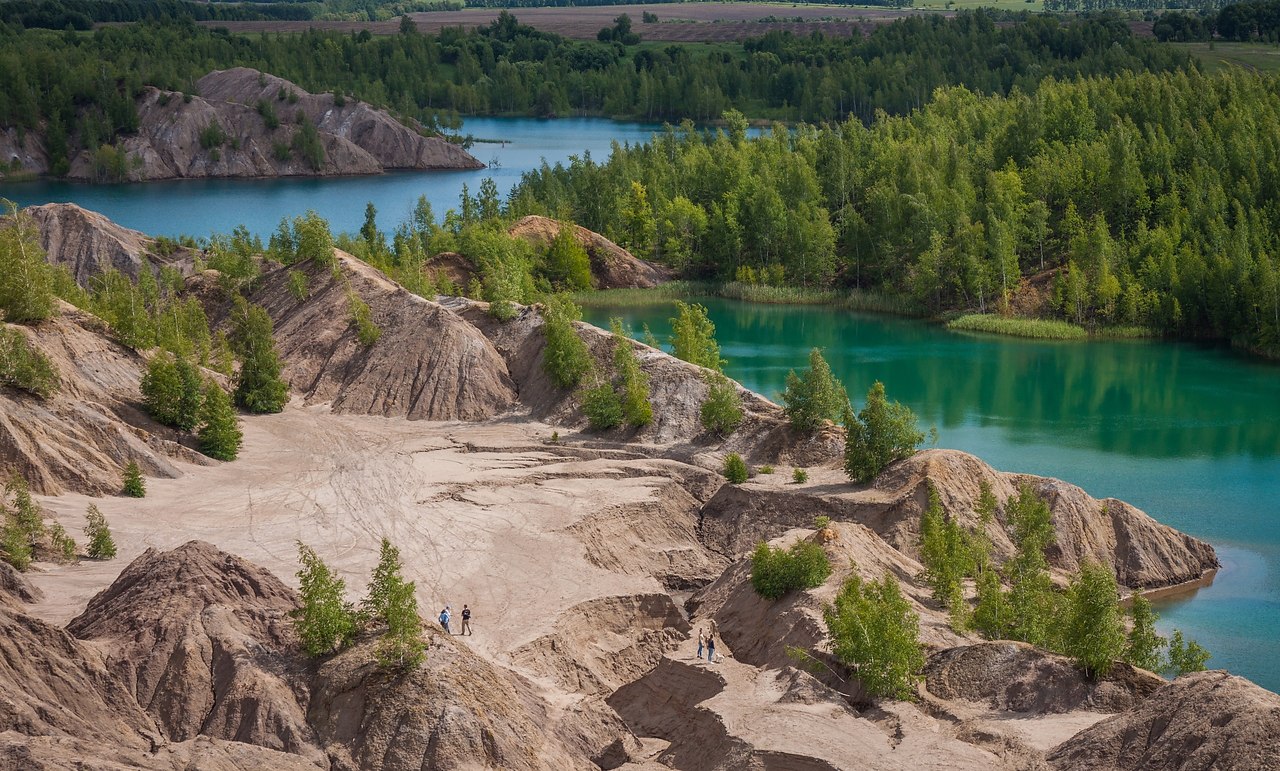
1040,329
1123,333
624,298
850,299
1259,57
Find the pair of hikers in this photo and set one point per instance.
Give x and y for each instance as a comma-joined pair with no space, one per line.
708,641
446,616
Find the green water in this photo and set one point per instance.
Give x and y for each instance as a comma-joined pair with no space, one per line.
1190,434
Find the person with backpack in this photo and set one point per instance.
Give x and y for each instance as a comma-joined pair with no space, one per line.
466,620
444,620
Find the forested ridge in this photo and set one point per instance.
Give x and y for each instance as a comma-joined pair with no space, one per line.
80,89
1142,199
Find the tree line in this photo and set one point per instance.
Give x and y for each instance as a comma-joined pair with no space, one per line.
1256,20
80,91
83,14
1138,199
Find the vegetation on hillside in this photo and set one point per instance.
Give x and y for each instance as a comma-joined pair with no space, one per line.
776,571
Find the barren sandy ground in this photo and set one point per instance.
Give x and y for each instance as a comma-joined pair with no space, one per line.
477,527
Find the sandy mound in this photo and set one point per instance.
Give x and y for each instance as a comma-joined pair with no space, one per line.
459,269
612,266
88,243
428,364
1016,677
1207,720
15,588
1144,552
200,638
84,435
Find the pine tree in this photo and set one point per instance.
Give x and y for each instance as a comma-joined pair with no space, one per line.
259,388
1144,646
883,432
874,630
1093,632
134,486
101,545
813,397
693,337
325,622
219,432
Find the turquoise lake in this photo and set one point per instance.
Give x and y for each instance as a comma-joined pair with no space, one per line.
1191,434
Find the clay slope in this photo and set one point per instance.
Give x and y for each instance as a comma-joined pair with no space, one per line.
1143,552
203,641
87,243
612,266
428,364
80,438
390,143
1203,721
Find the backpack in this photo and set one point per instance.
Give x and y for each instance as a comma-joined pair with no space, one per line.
444,617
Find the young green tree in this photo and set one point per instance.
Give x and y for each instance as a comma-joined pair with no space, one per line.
259,388
992,614
26,278
134,486
567,264
1033,605
24,367
1186,656
946,551
735,468
883,432
367,332
813,397
774,572
171,391
874,630
693,337
325,623
721,413
632,380
1144,646
1093,631
602,406
23,508
565,357
15,544
219,431
101,545
402,646
62,542
312,240
640,230
386,575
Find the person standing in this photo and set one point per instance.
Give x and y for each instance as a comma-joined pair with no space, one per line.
444,620
701,641
711,648
466,619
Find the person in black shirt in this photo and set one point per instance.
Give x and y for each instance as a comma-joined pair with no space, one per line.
466,620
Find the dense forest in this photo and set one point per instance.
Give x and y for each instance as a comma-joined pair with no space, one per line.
1257,20
1142,199
80,88
83,14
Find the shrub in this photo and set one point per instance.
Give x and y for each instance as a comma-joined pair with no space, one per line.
15,543
821,522
325,622
26,279
874,630
219,432
311,240
947,553
813,397
799,476
693,337
766,469
366,331
1093,629
307,144
774,572
134,486
1185,655
565,358
632,380
567,265
101,545
62,543
268,113
299,285
24,367
880,434
212,136
171,391
602,406
735,468
721,413
1143,645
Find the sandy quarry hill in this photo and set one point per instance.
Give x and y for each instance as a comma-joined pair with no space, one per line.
357,138
612,267
588,560
87,243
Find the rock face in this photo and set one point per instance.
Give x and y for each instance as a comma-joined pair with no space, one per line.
81,437
87,243
1202,721
15,589
428,364
357,139
21,152
201,638
612,266
1016,677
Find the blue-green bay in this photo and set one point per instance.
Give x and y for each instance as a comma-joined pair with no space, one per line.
1190,434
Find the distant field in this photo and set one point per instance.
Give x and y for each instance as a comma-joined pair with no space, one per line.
677,22
1260,57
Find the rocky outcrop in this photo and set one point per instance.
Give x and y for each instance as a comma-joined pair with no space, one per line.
1202,721
81,437
427,364
21,153
612,267
171,141
203,641
15,589
1143,552
390,143
87,243
1016,677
